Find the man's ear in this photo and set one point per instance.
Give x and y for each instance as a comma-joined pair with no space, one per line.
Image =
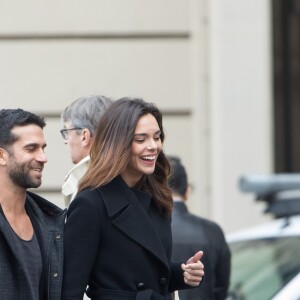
2,157
86,137
187,193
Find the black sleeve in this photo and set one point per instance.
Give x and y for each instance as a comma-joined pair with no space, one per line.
81,241
176,279
223,265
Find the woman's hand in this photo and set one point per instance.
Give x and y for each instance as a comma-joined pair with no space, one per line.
193,270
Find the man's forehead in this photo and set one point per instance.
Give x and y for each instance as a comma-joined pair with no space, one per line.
28,132
68,124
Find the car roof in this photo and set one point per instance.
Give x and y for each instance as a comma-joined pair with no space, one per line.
276,228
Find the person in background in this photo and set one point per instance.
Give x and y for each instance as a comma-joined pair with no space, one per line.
118,230
191,232
31,228
80,120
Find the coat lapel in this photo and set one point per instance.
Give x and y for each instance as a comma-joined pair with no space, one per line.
127,213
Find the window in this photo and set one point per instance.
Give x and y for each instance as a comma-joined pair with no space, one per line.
260,268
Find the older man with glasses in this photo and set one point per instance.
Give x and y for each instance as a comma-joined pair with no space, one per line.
80,120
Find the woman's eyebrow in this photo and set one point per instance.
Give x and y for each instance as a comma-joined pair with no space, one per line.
144,134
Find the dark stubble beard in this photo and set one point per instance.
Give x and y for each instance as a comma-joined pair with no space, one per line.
19,174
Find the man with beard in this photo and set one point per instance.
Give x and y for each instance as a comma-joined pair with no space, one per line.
31,228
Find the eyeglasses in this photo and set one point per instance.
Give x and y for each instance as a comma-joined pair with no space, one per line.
64,132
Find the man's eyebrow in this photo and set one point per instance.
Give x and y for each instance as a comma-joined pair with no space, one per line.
34,145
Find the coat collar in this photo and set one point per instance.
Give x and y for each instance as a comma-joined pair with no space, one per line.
127,213
48,217
46,212
179,206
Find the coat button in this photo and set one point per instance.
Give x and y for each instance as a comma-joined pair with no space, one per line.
55,274
163,281
57,236
140,285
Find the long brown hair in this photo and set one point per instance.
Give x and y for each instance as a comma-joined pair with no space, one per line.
111,151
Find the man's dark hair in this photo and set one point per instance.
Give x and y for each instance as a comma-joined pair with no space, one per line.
11,118
178,181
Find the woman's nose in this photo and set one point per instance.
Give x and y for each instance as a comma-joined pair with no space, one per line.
152,145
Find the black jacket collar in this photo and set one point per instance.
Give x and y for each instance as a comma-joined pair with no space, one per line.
180,206
128,214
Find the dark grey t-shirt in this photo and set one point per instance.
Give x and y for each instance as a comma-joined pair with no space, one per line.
32,262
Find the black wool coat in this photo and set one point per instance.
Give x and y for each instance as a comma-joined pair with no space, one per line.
191,234
119,244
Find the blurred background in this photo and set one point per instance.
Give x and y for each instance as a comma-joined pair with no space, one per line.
225,73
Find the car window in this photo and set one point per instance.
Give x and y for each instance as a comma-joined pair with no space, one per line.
260,268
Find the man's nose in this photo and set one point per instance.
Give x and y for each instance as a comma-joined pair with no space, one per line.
42,157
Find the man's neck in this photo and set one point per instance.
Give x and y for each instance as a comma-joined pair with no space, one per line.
12,198
12,201
177,198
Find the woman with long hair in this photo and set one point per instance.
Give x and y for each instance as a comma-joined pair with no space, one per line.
118,238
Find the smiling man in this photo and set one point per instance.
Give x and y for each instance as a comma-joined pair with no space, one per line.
31,228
